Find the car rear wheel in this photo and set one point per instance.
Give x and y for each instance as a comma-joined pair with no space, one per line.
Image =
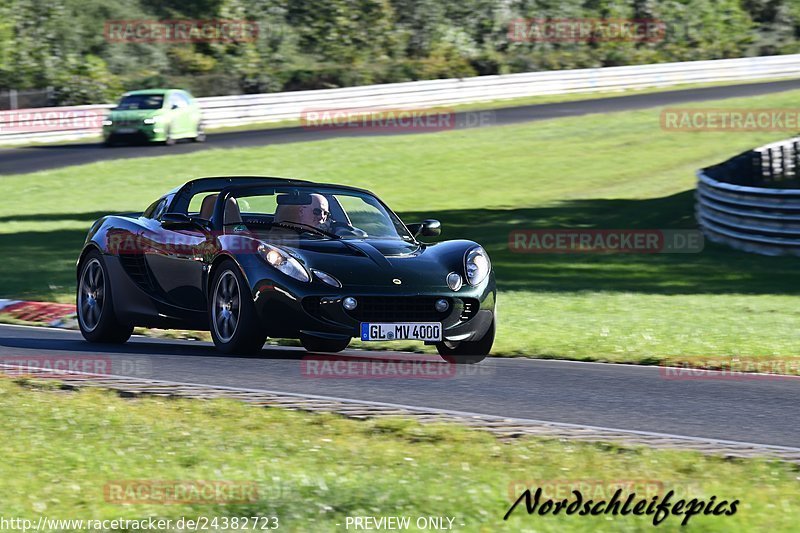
95,303
201,133
232,315
467,352
313,344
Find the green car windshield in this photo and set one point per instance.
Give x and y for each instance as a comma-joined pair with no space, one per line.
134,102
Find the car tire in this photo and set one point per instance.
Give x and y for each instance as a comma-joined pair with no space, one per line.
201,133
109,142
468,352
314,344
169,139
95,303
232,316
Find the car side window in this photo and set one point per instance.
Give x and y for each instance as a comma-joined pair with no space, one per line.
176,100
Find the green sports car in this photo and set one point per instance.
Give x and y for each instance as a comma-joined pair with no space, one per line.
154,115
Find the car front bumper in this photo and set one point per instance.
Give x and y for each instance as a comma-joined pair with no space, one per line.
140,132
313,309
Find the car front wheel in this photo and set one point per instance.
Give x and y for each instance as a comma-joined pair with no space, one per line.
169,140
231,313
467,352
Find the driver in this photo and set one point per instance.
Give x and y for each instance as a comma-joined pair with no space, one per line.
316,213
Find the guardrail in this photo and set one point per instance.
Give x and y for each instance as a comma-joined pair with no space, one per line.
752,201
221,111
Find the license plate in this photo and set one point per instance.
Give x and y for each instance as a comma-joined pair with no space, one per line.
125,130
415,331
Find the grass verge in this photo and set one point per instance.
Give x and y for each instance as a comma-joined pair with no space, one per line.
312,470
626,172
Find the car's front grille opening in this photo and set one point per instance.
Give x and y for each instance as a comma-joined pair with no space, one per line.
136,267
398,309
312,306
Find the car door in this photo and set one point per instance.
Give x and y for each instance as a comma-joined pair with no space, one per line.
171,114
175,259
182,112
196,112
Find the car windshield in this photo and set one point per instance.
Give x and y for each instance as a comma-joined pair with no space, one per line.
309,212
141,101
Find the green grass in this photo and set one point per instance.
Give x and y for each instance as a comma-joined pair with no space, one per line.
600,171
312,471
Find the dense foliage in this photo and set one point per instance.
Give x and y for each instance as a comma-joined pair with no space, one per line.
332,43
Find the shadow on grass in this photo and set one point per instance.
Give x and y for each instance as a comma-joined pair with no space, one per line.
88,218
716,269
41,265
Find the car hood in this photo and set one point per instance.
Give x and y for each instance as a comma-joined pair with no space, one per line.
379,262
134,114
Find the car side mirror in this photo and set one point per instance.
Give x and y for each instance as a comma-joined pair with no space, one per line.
426,228
177,221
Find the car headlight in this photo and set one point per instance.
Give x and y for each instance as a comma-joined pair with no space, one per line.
327,278
283,262
477,265
153,120
108,122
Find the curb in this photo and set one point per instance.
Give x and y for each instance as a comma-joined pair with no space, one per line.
44,313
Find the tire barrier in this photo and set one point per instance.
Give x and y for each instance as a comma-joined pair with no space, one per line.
752,201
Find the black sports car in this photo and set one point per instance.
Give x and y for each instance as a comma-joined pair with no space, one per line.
251,257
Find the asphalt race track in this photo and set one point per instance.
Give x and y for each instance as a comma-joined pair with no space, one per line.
759,409
33,158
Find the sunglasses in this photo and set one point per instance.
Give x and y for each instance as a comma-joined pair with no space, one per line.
320,212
